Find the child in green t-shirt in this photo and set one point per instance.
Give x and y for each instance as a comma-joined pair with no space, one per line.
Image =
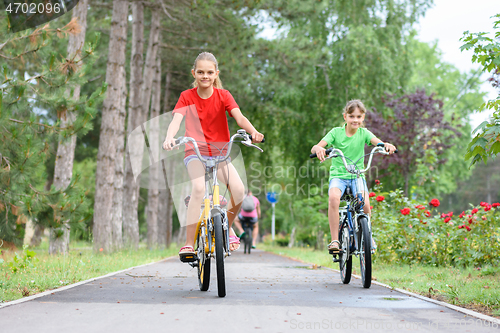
350,139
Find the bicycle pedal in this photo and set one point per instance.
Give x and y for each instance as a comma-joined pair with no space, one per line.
334,253
188,258
336,259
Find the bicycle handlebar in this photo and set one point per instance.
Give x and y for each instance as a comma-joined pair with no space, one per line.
247,141
334,152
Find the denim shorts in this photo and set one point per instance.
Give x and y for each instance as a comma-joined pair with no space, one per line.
195,157
342,184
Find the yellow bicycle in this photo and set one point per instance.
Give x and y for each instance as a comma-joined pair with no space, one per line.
212,230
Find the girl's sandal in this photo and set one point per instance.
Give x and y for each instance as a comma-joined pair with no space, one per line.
334,247
234,240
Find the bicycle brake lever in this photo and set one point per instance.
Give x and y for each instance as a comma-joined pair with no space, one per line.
249,143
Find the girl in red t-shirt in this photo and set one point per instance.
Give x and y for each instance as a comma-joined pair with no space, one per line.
207,122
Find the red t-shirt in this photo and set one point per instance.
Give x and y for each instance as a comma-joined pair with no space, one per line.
206,119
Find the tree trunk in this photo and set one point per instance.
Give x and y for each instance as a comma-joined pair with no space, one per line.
63,170
165,199
154,144
117,218
131,185
137,116
106,155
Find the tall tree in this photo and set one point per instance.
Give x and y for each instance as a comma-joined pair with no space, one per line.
154,145
117,217
105,171
63,171
131,185
135,147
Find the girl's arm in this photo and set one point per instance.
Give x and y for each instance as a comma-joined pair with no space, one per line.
319,150
388,147
244,123
173,128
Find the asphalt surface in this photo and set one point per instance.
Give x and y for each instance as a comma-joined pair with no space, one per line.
265,293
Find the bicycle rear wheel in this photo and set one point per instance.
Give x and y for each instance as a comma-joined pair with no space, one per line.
345,262
203,264
365,254
219,255
247,240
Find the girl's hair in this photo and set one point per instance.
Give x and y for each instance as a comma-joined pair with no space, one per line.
210,57
353,105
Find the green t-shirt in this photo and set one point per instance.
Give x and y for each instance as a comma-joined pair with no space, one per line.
352,147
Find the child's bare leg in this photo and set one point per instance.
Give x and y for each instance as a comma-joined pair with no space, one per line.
238,225
366,208
255,233
334,195
197,175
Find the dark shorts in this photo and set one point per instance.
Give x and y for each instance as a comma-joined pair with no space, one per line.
246,219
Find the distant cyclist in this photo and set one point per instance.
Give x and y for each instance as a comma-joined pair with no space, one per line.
250,211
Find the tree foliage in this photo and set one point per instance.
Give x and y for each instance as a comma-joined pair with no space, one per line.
33,100
486,142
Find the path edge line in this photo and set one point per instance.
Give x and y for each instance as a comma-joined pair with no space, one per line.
52,291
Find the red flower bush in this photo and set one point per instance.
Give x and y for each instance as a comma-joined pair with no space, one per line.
474,211
496,204
446,220
377,181
468,228
434,202
483,204
372,194
405,211
420,206
380,198
427,213
487,208
461,215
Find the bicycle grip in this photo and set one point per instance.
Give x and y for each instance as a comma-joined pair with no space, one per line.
263,139
326,152
381,144
177,141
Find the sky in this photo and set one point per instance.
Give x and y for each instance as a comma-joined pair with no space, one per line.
446,21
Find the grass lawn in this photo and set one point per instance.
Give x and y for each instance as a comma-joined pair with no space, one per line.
476,289
28,276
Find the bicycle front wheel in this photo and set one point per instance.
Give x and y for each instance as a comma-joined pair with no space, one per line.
345,262
203,264
365,254
219,255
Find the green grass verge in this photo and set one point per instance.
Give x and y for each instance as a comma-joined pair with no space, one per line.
472,288
34,270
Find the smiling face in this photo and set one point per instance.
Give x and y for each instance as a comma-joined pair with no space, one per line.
354,119
205,73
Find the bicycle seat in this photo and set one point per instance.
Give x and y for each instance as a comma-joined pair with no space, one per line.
222,201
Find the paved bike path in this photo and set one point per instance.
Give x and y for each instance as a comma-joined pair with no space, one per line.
265,293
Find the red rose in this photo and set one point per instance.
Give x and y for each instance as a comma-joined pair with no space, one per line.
487,208
372,194
443,215
470,221
461,226
371,207
450,214
461,215
483,204
467,227
380,198
405,211
474,211
377,181
496,204
420,206
434,202
427,213
446,220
